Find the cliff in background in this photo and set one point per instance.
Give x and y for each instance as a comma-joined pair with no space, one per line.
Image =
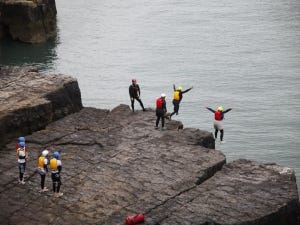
116,164
29,100
31,21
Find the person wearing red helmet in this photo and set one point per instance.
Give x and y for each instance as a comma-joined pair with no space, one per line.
134,93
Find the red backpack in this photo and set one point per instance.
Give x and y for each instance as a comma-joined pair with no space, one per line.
159,103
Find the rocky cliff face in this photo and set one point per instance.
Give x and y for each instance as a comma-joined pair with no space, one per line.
116,164
32,21
30,100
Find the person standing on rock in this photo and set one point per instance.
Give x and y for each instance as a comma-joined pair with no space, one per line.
43,169
161,109
56,167
22,156
218,122
135,93
177,97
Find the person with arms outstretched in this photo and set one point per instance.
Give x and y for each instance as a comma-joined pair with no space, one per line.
177,97
218,122
134,93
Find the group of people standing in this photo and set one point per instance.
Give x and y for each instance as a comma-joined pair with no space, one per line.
161,107
42,167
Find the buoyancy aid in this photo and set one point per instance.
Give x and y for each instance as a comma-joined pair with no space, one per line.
176,95
218,115
53,164
21,153
41,162
159,103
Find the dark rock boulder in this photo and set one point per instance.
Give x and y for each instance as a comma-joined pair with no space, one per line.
32,21
30,100
116,164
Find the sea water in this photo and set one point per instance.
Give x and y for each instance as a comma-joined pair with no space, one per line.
243,55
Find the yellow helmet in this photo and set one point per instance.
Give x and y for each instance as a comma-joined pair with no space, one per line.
220,108
179,88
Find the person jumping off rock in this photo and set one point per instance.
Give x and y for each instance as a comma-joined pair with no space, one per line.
134,93
177,97
218,124
161,109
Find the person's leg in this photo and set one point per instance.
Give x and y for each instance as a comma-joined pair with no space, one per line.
176,107
222,134
53,182
43,181
162,121
132,104
20,172
141,103
216,133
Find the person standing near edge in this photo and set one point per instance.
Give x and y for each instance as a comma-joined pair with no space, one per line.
177,97
56,167
134,93
22,156
43,169
161,109
218,124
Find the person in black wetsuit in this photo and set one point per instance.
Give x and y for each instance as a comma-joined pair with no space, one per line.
177,97
134,93
218,124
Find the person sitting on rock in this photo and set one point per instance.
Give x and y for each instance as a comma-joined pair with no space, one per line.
43,169
218,124
161,109
56,167
22,156
135,93
177,97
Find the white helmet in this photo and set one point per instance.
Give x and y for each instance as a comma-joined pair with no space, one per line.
163,95
45,153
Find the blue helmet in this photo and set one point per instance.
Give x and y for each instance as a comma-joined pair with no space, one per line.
21,139
22,144
56,155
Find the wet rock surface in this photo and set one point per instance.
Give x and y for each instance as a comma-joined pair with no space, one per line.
30,100
116,164
31,21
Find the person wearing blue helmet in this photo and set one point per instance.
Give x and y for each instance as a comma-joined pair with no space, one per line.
22,156
56,167
20,139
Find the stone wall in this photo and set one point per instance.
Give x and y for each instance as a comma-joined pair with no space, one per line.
32,21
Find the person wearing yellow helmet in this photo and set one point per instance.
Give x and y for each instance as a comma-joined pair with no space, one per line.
218,124
177,97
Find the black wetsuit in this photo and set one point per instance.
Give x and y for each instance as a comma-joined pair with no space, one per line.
160,113
134,93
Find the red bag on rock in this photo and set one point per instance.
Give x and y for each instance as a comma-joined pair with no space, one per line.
135,219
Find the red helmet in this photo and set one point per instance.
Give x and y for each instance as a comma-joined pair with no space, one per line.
133,80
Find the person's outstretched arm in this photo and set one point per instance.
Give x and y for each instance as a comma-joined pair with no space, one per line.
227,110
187,90
210,109
174,87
